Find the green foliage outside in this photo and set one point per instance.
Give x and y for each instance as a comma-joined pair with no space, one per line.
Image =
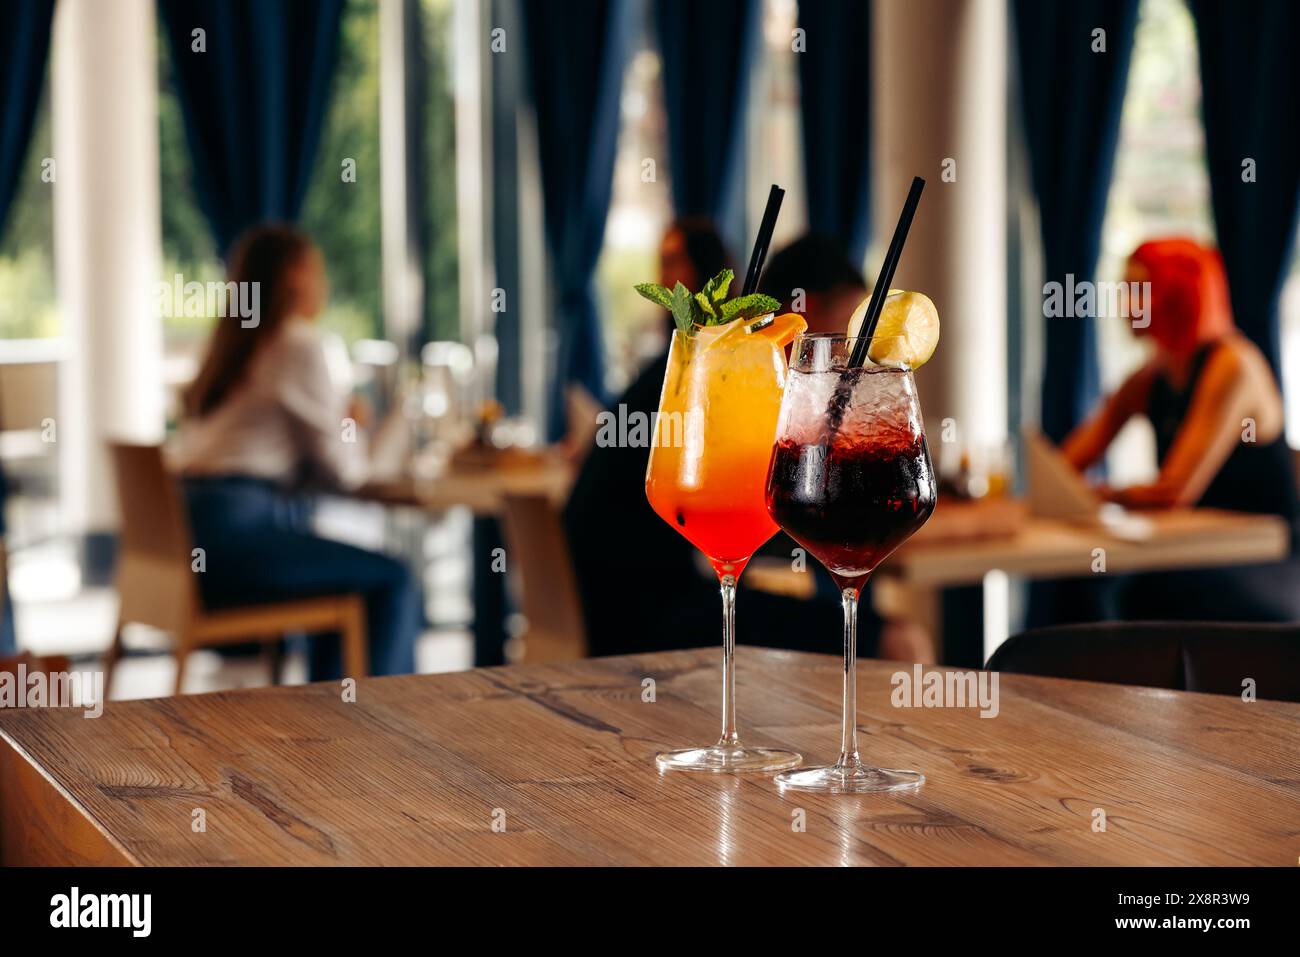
28,299
442,289
344,217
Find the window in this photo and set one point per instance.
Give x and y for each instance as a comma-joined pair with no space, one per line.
442,292
1160,187
188,247
343,217
775,138
640,210
1289,310
28,300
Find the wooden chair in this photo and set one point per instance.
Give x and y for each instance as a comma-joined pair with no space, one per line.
158,588
543,579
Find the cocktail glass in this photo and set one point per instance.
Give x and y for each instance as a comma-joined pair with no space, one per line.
712,443
850,480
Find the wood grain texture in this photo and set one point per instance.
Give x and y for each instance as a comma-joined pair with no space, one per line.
413,772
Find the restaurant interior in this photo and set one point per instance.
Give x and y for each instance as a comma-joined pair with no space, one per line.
341,348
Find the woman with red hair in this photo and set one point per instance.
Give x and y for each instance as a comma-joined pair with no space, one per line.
1207,390
1217,414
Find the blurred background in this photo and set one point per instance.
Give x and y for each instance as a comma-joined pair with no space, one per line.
487,179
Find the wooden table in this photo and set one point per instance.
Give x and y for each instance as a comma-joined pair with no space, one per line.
483,491
909,584
419,769
1051,548
480,489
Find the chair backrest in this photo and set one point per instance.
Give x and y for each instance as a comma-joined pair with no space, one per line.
1211,657
154,580
29,394
541,571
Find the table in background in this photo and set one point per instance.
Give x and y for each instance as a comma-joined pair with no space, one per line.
560,758
481,490
909,585
478,488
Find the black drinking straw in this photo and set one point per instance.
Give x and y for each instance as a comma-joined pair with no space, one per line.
886,277
763,239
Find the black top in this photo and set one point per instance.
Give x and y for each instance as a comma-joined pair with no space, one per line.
1255,478
628,561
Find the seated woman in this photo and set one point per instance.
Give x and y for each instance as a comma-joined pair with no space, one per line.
1217,413
262,422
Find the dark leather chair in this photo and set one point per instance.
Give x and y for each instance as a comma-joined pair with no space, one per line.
1184,656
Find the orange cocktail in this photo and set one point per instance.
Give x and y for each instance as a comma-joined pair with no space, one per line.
707,479
717,419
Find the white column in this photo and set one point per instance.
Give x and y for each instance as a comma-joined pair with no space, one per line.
939,96
107,244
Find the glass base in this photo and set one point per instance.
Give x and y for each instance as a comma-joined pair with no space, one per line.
850,779
734,759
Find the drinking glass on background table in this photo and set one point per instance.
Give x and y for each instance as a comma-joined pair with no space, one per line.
970,471
850,480
717,416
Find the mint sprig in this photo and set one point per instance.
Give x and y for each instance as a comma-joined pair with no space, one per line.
683,308
708,307
655,293
748,307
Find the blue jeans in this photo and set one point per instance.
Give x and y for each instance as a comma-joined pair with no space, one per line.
8,638
257,551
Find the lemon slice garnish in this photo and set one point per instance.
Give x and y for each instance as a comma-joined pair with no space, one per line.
908,330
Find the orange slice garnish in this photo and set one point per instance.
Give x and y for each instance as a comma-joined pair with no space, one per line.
780,329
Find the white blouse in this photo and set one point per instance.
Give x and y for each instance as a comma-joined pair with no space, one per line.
285,421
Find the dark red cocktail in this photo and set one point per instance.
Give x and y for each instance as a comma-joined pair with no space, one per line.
850,480
851,503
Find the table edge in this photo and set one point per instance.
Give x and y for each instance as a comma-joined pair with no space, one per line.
16,760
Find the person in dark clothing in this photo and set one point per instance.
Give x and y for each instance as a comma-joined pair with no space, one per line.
1217,415
640,582
812,276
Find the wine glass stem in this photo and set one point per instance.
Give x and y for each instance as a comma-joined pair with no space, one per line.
849,737
729,737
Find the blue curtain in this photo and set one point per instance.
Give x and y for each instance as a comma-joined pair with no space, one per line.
254,102
708,51
835,97
1250,78
24,50
577,50
1071,98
